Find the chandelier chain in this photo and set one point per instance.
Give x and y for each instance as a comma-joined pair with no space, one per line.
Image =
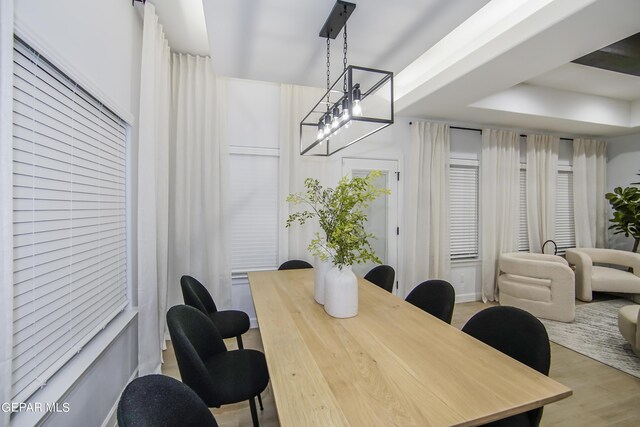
328,70
344,59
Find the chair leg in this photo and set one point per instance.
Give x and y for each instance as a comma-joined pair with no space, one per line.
239,339
260,402
254,412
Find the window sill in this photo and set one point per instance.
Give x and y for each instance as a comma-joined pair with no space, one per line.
465,262
64,380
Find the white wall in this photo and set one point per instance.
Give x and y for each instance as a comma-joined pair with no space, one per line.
98,44
623,163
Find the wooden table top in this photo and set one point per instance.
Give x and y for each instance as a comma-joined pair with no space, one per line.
392,364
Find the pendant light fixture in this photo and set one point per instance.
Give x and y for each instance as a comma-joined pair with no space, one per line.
358,104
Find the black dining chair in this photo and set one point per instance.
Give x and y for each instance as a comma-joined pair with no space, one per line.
219,376
158,400
383,276
517,334
230,323
294,264
436,297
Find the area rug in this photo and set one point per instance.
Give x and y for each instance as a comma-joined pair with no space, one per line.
595,334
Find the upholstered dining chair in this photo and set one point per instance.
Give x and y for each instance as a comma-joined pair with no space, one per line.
436,297
217,375
383,276
158,400
294,264
517,334
230,323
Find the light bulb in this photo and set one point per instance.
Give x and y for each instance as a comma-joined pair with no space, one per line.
347,125
336,118
357,96
320,130
357,108
345,108
327,125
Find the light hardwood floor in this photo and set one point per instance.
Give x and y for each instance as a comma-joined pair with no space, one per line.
602,396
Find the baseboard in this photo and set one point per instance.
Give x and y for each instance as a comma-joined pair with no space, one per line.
112,417
470,297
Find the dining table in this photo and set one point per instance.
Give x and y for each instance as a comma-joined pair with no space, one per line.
392,364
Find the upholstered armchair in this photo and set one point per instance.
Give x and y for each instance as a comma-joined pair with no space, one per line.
592,277
538,283
628,317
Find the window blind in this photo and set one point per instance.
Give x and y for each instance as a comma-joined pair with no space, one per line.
523,234
254,211
463,206
565,228
69,230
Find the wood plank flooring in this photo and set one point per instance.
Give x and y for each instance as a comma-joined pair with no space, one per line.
602,396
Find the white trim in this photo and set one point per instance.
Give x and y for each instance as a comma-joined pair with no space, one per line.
49,51
470,297
112,416
65,379
565,168
456,161
254,151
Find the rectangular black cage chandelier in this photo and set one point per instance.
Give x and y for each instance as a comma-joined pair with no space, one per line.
358,104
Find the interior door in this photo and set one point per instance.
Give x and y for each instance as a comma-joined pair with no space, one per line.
382,214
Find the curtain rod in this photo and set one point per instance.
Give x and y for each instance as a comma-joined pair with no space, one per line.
480,130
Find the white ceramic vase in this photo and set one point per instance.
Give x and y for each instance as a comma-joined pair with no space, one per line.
320,270
341,293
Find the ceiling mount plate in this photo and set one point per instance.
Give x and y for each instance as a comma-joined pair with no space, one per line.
336,19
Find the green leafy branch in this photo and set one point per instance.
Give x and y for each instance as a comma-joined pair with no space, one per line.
626,216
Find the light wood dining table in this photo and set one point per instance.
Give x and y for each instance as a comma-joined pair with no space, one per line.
391,365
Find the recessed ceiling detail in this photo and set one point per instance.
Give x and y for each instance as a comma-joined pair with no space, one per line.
622,57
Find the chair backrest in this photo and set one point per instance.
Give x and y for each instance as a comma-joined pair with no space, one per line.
195,339
383,276
155,400
517,334
436,297
196,295
294,264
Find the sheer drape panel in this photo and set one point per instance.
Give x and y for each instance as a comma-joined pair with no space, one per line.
589,188
499,195
295,102
542,171
6,203
198,219
427,254
153,191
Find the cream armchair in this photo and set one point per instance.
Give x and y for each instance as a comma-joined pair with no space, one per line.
538,283
628,317
590,277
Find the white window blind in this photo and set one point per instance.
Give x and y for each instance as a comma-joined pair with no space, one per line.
463,205
523,235
565,228
254,210
69,219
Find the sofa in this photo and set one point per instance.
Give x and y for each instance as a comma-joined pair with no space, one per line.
628,325
541,284
592,276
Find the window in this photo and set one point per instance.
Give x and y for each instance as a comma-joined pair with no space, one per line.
254,209
523,236
463,205
565,228
69,228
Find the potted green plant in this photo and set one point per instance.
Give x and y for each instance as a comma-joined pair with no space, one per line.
344,240
626,216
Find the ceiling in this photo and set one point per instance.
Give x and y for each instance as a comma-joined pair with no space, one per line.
503,63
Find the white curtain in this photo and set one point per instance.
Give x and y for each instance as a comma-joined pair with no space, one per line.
295,103
6,203
499,199
589,188
427,254
199,179
153,191
542,172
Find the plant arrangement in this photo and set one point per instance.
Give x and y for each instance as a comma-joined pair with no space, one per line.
340,213
626,216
